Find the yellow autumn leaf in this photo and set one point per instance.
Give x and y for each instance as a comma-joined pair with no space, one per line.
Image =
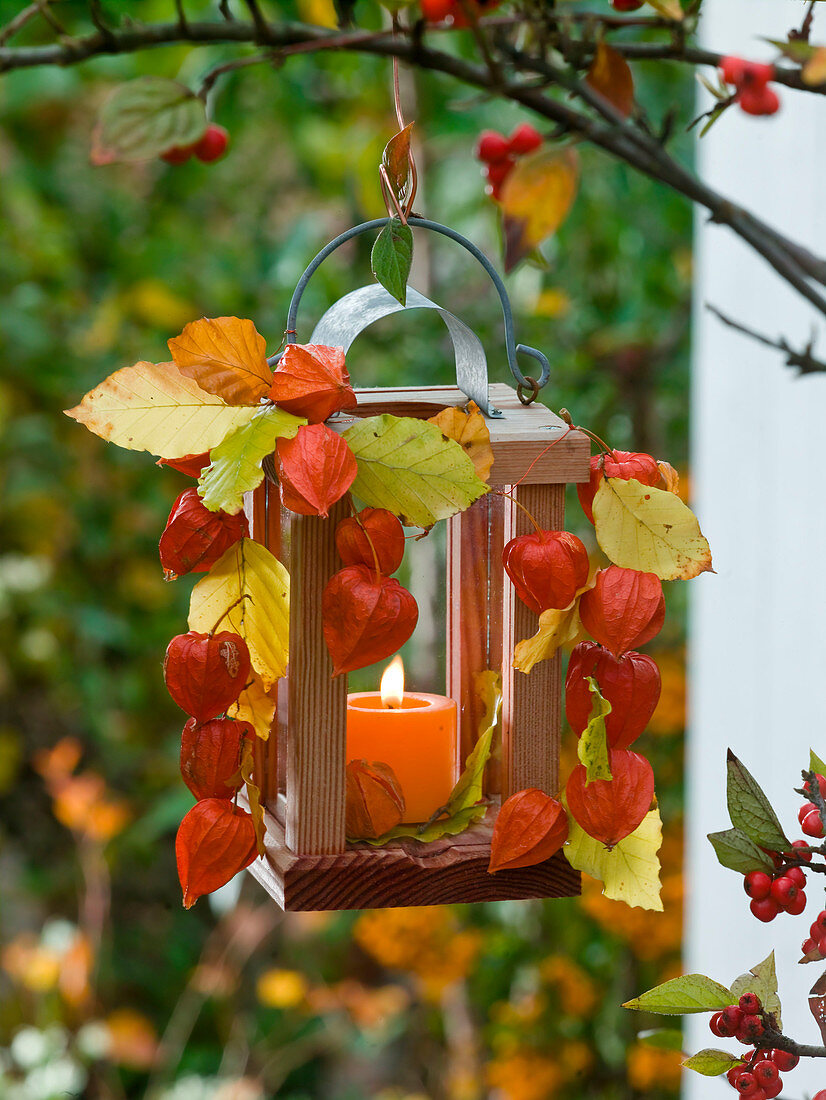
611,76
630,871
556,628
226,356
671,9
536,198
814,71
592,745
640,527
153,407
469,429
256,706
321,13
253,796
251,590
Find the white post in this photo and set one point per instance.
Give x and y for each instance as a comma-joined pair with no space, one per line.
758,628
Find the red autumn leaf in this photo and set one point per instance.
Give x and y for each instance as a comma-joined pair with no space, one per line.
624,610
315,469
371,535
530,828
311,380
375,803
546,568
622,464
610,809
611,76
205,673
215,841
192,465
365,618
630,683
211,755
195,538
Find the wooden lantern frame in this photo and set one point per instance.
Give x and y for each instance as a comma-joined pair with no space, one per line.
308,863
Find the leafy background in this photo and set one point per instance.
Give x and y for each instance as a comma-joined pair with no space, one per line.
107,988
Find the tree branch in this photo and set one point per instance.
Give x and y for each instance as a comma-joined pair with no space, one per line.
803,360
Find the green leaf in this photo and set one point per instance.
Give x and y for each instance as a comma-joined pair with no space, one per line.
750,810
684,995
816,765
711,1062
409,467
797,50
592,747
392,257
235,466
761,980
663,1038
146,117
735,851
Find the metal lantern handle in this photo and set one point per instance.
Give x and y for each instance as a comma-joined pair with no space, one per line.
343,322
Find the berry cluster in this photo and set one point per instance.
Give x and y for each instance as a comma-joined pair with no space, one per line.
782,892
817,935
208,148
809,815
499,154
440,11
751,81
758,1076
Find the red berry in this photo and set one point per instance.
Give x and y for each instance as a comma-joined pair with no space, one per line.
756,74
745,1083
734,1073
212,145
784,1060
821,946
798,846
714,1024
627,5
497,172
750,1004
524,139
759,101
757,885
809,817
732,69
820,1095
750,1029
492,147
770,1091
796,907
435,11
797,875
821,783
765,1072
765,910
178,154
730,1020
818,928
808,945
784,891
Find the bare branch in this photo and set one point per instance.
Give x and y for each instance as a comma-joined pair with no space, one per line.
804,361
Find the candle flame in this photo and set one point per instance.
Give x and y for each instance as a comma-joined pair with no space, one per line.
392,683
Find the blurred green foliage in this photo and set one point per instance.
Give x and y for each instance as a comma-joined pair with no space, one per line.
98,268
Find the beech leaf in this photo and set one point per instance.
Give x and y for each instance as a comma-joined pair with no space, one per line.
256,706
470,430
392,258
750,810
630,871
557,627
592,746
144,118
611,76
396,160
235,466
408,467
253,796
762,981
648,529
683,996
737,852
225,356
711,1062
253,588
536,197
153,407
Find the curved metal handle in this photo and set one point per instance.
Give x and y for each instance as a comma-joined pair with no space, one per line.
512,348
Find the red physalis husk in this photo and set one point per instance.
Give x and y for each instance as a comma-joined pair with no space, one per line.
195,538
610,809
621,464
371,529
546,568
375,803
624,610
311,380
192,465
211,756
630,683
365,617
530,828
204,673
215,841
315,469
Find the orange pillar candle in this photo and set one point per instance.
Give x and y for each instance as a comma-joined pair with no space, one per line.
415,733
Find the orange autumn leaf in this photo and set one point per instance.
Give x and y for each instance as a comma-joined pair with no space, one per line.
215,841
311,380
530,828
469,429
315,469
536,198
226,356
375,803
611,76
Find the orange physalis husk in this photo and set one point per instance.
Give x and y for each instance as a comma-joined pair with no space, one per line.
630,683
215,841
546,568
195,538
204,673
671,479
530,828
315,469
610,809
311,380
371,529
192,465
624,610
365,618
375,803
211,756
621,464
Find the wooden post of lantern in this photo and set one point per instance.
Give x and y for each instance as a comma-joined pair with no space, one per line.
308,864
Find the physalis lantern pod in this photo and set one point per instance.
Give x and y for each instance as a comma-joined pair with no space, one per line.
205,673
195,538
315,469
530,828
311,380
371,530
624,610
375,803
211,756
215,841
366,617
546,568
621,464
611,809
630,683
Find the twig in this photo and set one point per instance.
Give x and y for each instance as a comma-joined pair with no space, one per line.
803,360
182,21
215,74
257,16
19,21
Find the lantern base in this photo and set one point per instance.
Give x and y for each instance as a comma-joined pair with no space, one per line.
449,871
